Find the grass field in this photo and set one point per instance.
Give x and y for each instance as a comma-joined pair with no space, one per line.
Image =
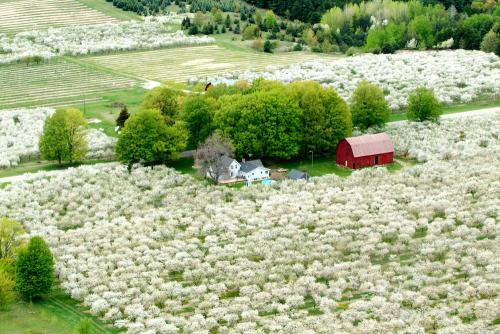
45,166
22,15
401,116
180,64
55,314
56,83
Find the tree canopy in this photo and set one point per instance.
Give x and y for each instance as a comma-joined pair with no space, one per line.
147,138
423,105
34,269
63,137
368,106
165,100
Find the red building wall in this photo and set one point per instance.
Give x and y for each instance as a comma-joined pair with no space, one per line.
344,157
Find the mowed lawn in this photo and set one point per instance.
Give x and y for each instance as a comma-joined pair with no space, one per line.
182,63
59,82
23,15
55,314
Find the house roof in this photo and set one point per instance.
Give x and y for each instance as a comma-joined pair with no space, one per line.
297,175
370,144
249,166
227,161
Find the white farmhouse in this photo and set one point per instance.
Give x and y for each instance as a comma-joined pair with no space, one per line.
247,170
232,166
253,170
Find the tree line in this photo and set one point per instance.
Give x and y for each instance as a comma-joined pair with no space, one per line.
266,119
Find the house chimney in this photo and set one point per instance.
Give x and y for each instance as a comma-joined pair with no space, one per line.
243,160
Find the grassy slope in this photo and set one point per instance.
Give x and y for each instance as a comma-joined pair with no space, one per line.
110,10
401,116
55,314
45,166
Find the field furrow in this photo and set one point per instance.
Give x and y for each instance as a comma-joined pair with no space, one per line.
60,81
181,64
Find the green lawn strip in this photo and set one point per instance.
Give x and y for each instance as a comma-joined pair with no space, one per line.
457,108
321,166
36,166
106,112
110,10
56,313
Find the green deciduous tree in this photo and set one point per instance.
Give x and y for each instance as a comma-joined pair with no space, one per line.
369,107
63,137
34,269
10,232
491,42
197,114
147,138
83,327
423,105
263,124
250,32
420,28
270,20
326,118
165,100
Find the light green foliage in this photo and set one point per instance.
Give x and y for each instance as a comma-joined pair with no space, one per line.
165,100
423,105
10,231
146,137
263,123
420,28
270,20
63,137
197,114
387,38
34,269
491,42
6,288
326,118
369,107
251,31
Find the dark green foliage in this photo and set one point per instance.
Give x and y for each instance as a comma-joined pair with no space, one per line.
147,138
34,269
326,118
423,106
268,47
369,107
122,118
197,114
263,124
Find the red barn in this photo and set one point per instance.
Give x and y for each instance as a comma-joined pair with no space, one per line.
364,151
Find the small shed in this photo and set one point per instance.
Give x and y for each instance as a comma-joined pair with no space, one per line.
364,151
297,175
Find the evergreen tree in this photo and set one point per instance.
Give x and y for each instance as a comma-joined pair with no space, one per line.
122,118
34,269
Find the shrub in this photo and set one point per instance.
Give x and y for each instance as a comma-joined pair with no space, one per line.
34,269
423,105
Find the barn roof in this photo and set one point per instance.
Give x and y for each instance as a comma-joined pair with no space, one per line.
370,144
297,175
